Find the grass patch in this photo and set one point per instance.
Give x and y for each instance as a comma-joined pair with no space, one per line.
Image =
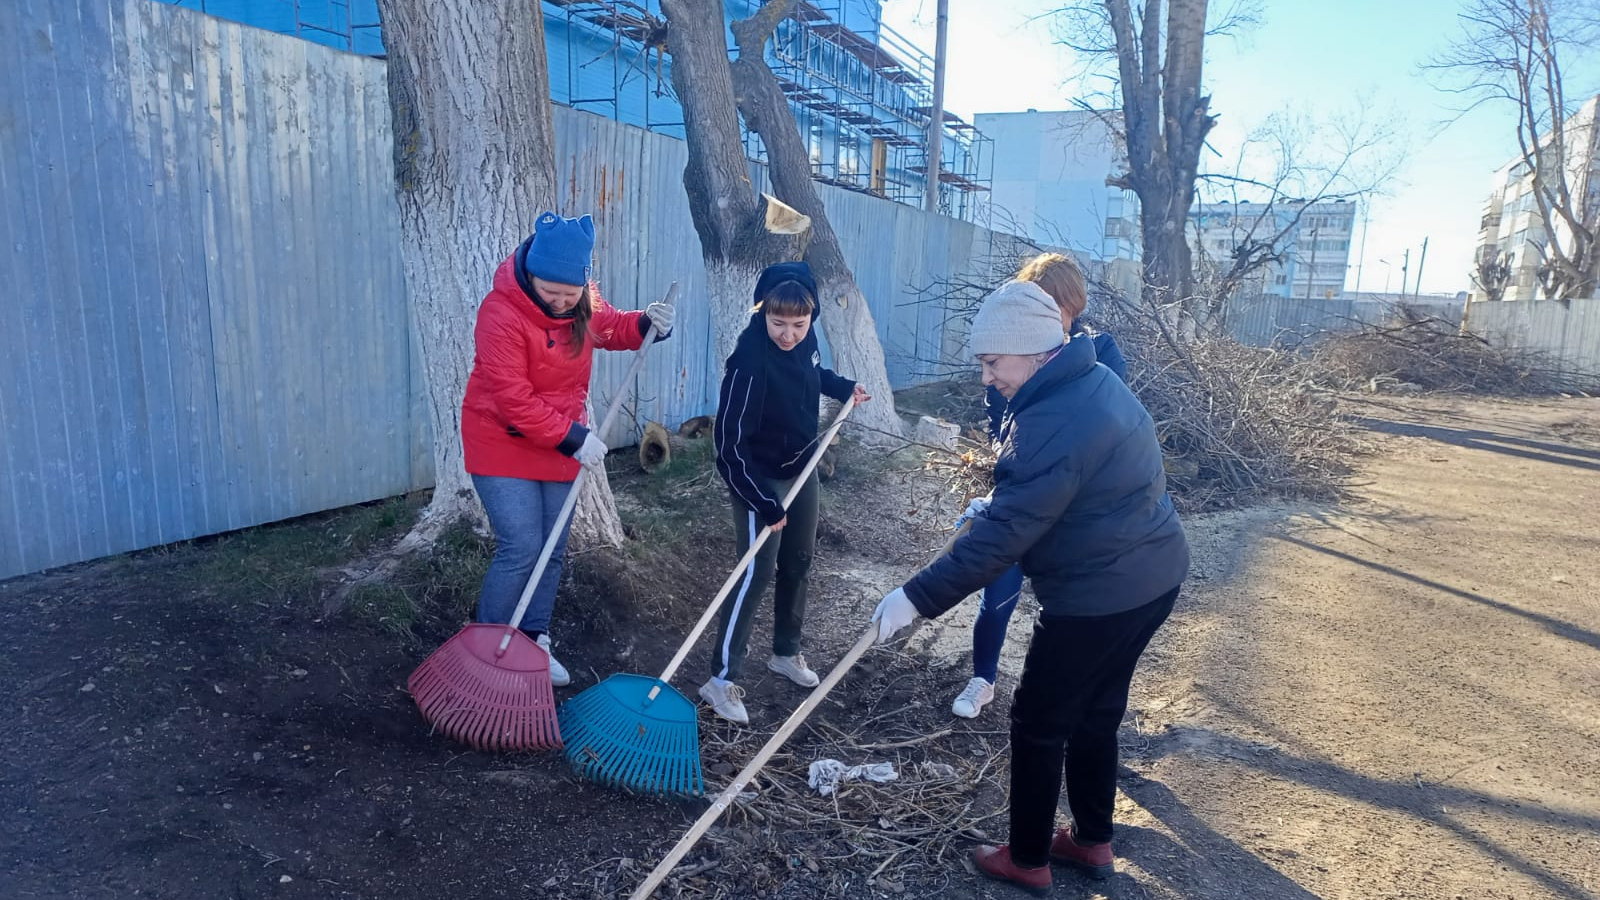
389,606
669,505
433,592
281,562
291,563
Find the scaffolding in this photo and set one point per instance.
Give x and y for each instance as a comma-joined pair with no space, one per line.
632,39
862,105
855,96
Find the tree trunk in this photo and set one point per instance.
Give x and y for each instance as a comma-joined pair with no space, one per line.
728,212
726,209
474,165
595,519
846,317
1166,121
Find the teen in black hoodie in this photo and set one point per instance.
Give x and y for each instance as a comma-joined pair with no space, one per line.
766,430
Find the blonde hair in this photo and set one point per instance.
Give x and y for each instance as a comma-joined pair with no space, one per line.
1061,278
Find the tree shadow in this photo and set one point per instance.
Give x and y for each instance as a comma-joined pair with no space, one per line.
1427,801
1478,439
1553,625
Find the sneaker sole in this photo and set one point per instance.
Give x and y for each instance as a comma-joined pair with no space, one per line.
975,713
1098,873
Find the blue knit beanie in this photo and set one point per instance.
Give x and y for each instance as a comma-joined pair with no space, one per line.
561,249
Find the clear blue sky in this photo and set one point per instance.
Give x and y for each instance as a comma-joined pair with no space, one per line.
1317,57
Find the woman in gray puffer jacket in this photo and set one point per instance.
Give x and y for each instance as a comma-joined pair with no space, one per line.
1080,501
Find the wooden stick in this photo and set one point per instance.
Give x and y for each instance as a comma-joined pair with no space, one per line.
718,806
750,554
577,483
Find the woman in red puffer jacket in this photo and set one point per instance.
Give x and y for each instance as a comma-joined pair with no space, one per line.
523,424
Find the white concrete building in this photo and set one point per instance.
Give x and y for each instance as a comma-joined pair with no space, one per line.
1050,171
1512,230
1316,247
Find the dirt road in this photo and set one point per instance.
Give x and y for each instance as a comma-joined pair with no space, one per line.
1396,698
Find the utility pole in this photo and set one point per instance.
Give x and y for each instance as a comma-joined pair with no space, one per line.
1311,271
1361,262
1403,267
1417,288
936,112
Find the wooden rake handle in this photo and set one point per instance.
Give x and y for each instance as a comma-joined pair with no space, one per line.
724,799
749,555
577,483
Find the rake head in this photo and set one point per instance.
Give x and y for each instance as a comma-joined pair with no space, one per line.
491,700
616,735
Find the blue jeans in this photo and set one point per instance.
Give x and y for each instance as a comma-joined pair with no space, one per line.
989,631
522,513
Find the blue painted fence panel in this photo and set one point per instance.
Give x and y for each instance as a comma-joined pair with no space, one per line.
205,326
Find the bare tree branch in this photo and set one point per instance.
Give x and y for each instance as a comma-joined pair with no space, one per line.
1513,51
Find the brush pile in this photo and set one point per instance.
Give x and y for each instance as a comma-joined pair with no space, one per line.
1238,424
864,838
1414,352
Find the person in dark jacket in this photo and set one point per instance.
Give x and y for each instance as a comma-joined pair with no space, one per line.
1061,278
766,430
524,429
1080,500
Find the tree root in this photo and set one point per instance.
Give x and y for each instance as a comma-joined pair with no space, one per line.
380,567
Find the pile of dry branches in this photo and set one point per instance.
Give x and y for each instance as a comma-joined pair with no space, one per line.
1237,423
1414,352
887,838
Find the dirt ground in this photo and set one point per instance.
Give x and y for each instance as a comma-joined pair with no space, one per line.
1394,697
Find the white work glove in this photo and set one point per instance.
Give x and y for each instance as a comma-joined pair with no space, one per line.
660,316
973,510
894,612
593,451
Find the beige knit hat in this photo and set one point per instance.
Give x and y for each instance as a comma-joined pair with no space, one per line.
1017,318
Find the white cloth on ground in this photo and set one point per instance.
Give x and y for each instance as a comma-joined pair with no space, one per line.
826,774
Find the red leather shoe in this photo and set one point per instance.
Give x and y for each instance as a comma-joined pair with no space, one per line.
1093,860
996,863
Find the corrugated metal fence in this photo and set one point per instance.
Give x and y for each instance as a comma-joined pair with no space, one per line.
631,181
1290,321
205,326
1568,333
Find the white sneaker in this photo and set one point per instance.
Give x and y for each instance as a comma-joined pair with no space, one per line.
726,699
558,672
794,668
973,699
